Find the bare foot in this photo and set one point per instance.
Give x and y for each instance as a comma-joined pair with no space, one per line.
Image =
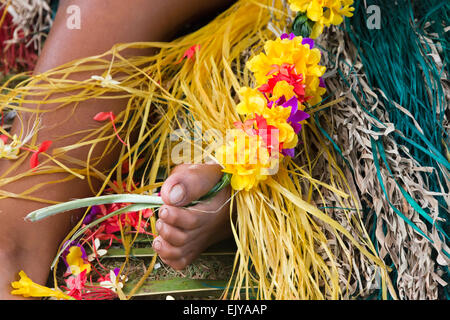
184,233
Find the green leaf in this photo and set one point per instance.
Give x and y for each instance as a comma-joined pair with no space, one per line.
302,26
87,202
175,286
149,252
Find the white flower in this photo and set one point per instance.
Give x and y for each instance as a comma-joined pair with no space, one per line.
106,81
11,150
100,252
113,283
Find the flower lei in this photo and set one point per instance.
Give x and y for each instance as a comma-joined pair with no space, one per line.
288,78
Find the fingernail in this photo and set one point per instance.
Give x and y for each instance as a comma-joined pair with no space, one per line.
163,213
176,194
157,244
159,224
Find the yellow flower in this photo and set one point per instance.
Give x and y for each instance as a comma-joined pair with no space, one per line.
282,88
277,116
247,159
75,261
346,8
323,12
299,5
316,30
315,9
314,90
27,288
252,101
293,52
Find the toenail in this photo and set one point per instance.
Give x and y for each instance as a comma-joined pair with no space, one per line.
157,244
159,225
163,213
176,194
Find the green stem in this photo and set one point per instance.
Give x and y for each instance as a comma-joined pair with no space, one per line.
224,182
118,198
87,202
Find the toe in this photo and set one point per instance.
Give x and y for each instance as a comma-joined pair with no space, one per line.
179,217
189,182
177,264
165,250
171,234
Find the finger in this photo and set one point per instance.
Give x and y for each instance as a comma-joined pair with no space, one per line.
189,182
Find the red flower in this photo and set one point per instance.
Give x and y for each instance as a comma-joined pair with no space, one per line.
78,289
263,130
285,72
126,165
189,53
4,138
266,131
112,225
34,161
103,116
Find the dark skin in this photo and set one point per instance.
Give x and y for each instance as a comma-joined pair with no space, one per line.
183,233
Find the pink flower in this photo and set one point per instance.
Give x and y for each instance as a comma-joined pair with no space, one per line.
76,284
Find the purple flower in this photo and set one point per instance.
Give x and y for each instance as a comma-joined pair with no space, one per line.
66,251
95,210
297,115
308,41
292,102
287,36
116,271
322,83
288,152
281,101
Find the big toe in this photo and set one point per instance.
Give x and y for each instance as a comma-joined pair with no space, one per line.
188,183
